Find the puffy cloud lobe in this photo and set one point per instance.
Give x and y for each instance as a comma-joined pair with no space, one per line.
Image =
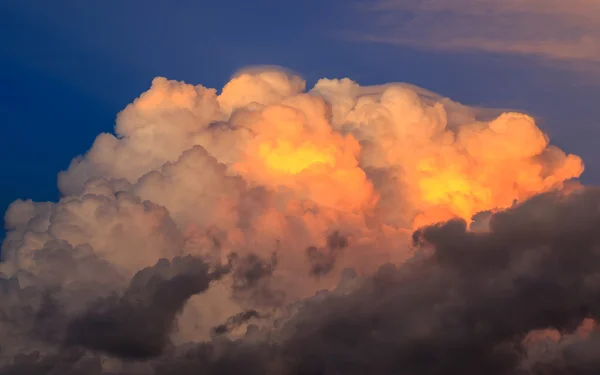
295,147
120,227
496,141
191,187
259,86
328,182
156,128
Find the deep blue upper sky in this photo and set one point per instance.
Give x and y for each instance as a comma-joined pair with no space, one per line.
68,67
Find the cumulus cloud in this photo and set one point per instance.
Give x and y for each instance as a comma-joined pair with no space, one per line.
266,228
563,31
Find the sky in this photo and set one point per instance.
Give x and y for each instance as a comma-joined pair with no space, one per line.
283,221
68,67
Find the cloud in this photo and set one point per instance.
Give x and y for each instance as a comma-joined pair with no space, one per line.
310,197
551,29
323,260
137,324
466,306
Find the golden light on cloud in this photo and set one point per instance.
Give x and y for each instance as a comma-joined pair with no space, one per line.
395,155
455,191
286,158
296,148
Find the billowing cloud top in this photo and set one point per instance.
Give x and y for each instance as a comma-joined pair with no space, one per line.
196,237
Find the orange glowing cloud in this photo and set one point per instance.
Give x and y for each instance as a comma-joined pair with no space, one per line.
298,150
291,159
396,154
443,161
489,167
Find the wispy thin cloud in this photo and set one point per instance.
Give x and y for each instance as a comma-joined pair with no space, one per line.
564,31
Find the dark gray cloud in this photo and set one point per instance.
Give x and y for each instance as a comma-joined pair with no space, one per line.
251,269
236,321
252,280
67,362
322,260
137,324
463,306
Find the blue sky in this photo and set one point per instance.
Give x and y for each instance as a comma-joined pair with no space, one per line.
68,67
